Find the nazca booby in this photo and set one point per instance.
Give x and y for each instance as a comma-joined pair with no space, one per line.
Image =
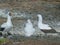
7,25
41,25
44,27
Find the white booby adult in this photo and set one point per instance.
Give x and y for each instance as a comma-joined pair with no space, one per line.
29,30
41,25
7,25
44,27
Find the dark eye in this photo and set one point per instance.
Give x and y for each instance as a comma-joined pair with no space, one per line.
10,14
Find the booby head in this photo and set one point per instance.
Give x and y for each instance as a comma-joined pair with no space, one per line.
9,14
29,21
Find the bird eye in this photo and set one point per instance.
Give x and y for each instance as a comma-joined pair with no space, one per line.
10,14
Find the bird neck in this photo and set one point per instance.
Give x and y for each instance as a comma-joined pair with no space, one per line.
9,19
40,20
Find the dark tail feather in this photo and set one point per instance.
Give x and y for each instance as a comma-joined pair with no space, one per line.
49,31
1,34
9,33
2,29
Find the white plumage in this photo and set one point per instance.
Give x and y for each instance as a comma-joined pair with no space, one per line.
29,30
7,25
41,25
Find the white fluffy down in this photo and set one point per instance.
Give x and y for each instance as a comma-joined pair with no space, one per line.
29,30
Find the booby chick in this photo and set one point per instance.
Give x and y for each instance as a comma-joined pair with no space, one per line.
29,30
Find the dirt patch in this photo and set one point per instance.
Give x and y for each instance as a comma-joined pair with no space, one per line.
33,42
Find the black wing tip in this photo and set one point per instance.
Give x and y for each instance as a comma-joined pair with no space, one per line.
2,29
49,31
1,34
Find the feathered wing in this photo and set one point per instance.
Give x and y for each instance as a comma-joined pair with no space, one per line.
47,26
44,26
3,26
6,26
